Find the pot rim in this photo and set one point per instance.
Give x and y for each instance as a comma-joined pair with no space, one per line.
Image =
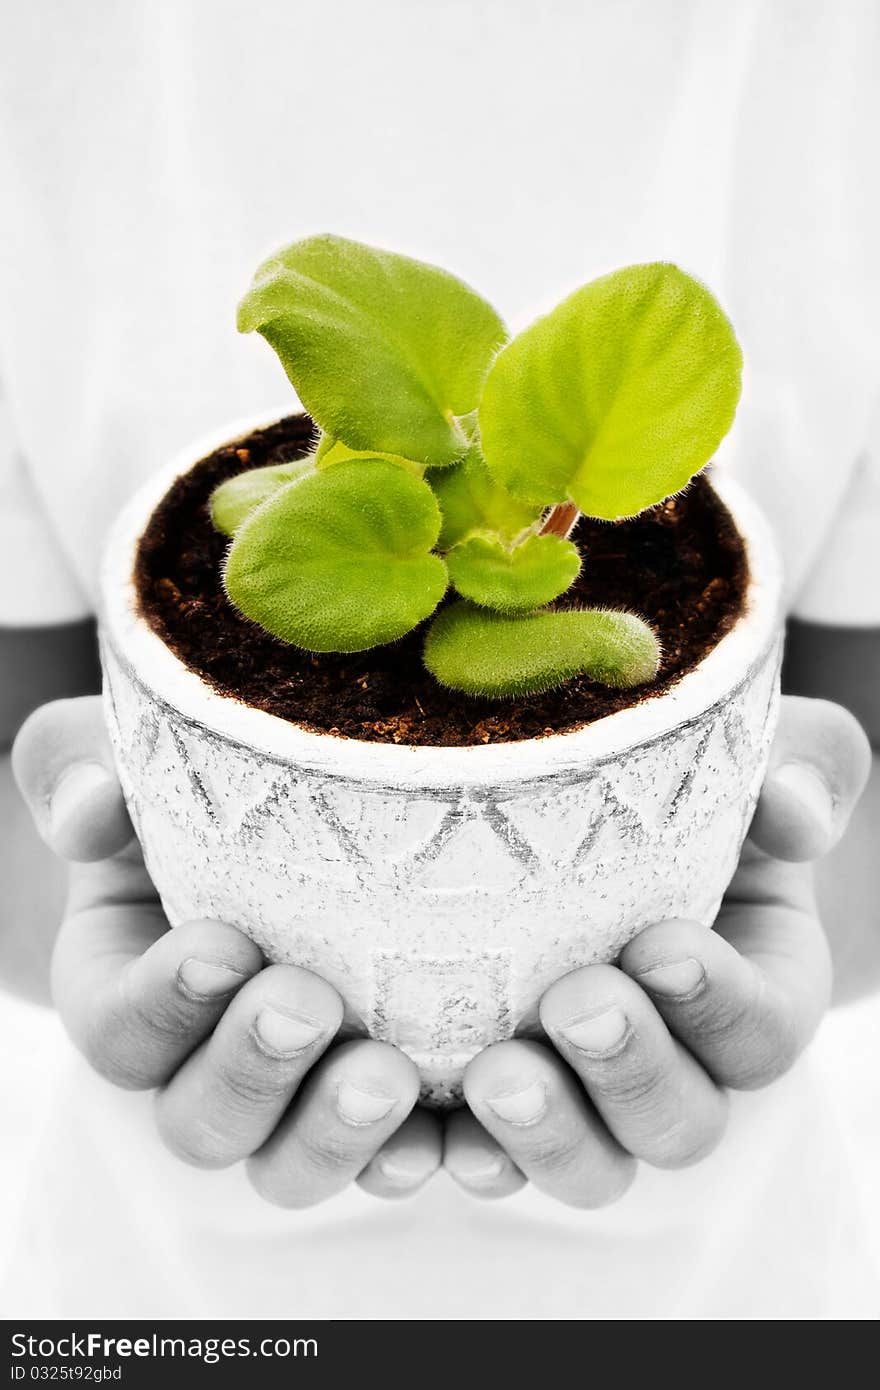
168,681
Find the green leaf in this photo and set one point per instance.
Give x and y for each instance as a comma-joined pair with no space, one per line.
337,452
325,444
514,581
484,653
386,353
471,501
340,561
616,398
235,499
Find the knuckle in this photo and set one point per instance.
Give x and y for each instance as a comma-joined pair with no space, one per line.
132,1040
555,1154
769,1054
763,1047
250,1084
570,1169
105,1046
154,1020
167,1025
329,1151
626,1085
718,1019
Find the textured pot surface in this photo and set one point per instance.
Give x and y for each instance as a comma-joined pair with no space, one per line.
440,890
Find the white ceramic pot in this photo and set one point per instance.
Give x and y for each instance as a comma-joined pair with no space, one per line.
440,890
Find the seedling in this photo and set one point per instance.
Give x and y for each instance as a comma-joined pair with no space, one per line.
452,458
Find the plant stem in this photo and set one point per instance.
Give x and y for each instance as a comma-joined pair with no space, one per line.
561,520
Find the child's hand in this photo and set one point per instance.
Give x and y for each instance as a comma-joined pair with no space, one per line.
195,1012
644,1049
153,1008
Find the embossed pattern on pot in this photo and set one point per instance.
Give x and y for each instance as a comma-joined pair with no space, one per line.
441,914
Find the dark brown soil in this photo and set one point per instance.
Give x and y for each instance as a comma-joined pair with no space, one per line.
681,566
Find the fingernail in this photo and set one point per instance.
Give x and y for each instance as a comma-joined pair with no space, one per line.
358,1106
205,979
597,1035
523,1107
809,789
487,1171
677,980
284,1035
396,1169
72,792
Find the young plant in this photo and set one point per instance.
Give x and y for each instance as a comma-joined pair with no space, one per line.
451,458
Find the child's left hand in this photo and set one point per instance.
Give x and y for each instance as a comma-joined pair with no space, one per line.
642,1050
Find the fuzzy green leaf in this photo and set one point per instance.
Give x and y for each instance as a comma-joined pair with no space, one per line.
337,452
386,353
513,581
617,397
326,442
471,501
235,499
483,653
340,561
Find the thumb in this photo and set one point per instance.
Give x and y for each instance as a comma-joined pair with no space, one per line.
63,764
819,765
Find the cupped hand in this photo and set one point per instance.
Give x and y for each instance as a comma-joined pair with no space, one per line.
638,1055
245,1057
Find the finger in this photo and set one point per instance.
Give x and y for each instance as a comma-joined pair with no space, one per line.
654,1097
533,1105
476,1161
227,1098
410,1157
136,997
63,764
819,764
746,998
351,1104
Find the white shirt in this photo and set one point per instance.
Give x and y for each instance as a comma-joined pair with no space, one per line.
150,155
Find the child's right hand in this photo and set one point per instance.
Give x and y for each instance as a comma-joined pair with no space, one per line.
228,1040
